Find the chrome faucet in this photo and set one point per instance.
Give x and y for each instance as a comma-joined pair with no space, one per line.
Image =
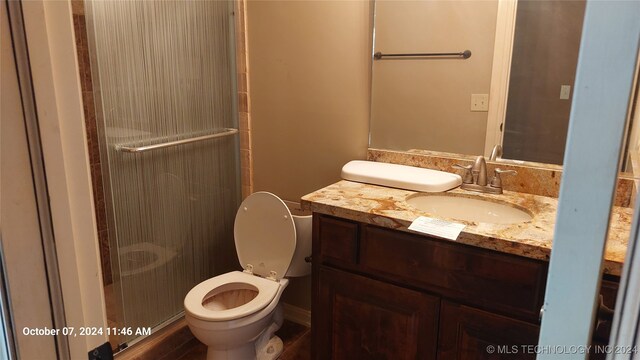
475,177
479,171
496,153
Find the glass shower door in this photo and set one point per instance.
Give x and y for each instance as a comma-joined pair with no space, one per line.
164,85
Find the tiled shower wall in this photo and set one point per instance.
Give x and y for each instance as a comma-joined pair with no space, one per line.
82,49
244,114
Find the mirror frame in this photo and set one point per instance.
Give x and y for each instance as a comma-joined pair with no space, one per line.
500,72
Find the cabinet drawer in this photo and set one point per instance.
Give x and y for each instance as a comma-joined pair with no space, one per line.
337,240
504,283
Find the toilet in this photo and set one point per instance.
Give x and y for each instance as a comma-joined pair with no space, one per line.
236,314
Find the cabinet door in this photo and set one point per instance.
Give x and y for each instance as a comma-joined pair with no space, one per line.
468,333
359,318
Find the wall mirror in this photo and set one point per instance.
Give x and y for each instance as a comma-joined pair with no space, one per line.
462,76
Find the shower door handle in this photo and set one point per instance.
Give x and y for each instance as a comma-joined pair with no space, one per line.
139,149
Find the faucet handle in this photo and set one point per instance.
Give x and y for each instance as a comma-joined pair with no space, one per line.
467,178
496,182
500,171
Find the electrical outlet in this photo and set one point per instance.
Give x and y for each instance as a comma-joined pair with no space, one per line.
479,102
565,92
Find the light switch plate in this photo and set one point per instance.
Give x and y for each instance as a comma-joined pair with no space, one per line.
479,102
565,92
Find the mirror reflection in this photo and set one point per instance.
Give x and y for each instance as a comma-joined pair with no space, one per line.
543,68
514,90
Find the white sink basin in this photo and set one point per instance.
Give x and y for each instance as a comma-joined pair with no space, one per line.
469,209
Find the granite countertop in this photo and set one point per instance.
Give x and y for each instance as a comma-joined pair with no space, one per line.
387,207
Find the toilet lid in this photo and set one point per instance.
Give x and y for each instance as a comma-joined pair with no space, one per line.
265,234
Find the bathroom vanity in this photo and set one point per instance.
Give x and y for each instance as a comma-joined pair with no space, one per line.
381,291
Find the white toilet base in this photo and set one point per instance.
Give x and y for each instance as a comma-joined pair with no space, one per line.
272,350
266,346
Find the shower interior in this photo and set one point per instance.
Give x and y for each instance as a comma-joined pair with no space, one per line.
162,77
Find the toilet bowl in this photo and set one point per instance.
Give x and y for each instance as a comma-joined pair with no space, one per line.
236,314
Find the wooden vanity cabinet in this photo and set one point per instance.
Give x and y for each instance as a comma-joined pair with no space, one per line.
372,319
467,333
385,294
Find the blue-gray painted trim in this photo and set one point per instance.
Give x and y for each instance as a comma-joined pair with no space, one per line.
604,79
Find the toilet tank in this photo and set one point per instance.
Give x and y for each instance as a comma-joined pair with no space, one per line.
298,266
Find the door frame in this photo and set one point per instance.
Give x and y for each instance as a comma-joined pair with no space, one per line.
602,94
56,84
28,249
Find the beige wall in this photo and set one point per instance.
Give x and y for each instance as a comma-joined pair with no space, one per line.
309,91
425,103
309,75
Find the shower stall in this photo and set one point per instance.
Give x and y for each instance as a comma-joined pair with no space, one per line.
163,76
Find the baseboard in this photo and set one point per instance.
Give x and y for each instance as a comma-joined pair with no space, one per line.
297,315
